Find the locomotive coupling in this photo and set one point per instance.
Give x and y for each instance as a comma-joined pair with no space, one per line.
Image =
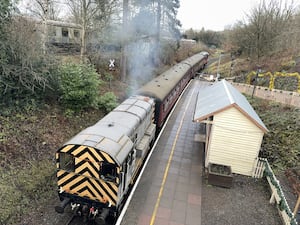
102,217
62,206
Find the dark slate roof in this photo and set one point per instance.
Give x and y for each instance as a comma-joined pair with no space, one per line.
221,96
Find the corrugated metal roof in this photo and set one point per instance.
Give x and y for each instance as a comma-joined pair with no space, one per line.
219,97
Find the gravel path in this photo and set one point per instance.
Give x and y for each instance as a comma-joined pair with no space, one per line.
247,202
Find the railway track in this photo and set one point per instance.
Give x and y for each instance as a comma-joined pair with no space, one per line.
69,222
77,220
71,218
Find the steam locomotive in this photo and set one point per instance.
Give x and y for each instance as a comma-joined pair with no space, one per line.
97,168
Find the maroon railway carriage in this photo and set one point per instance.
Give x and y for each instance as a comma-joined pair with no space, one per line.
167,87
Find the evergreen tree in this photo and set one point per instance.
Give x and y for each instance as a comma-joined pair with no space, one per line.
169,21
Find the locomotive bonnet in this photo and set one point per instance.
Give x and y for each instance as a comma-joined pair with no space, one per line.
95,168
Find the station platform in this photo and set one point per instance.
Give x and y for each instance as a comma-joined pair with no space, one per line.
169,192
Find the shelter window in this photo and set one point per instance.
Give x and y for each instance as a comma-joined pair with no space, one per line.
108,172
66,162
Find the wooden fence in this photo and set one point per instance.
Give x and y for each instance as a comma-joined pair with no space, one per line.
263,169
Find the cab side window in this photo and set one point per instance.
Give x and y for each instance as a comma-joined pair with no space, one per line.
131,157
108,172
66,162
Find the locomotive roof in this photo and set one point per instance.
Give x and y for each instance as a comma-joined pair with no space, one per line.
112,133
162,85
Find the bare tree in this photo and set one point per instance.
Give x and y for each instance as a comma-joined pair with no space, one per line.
43,9
289,38
266,22
90,13
27,68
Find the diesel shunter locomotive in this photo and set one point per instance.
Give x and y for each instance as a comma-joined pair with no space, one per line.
97,167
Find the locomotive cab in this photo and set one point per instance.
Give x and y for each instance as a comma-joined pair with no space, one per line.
108,172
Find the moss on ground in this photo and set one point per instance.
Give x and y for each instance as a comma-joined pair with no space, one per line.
22,188
281,145
28,142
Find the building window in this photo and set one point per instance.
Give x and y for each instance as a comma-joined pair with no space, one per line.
66,162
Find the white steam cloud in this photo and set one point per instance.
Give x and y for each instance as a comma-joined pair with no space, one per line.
142,53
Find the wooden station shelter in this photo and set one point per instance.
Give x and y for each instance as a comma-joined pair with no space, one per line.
234,131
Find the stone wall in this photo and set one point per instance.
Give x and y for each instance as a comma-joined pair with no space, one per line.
285,97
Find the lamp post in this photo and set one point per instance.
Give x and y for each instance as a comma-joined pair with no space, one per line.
218,75
258,71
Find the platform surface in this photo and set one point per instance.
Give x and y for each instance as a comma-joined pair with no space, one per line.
169,192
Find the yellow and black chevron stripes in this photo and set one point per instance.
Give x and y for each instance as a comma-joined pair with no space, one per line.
84,180
85,187
87,153
87,168
57,160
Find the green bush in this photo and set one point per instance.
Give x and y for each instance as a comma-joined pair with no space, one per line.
79,85
108,101
281,145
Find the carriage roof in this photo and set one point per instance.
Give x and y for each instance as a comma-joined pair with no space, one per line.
162,85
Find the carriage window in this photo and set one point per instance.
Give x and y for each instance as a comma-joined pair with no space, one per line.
108,172
76,33
52,32
66,162
65,32
164,107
